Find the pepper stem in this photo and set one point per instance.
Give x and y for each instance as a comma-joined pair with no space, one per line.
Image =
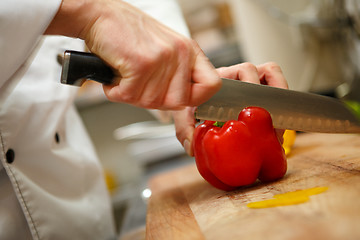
219,124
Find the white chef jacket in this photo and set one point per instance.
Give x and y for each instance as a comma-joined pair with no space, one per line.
51,182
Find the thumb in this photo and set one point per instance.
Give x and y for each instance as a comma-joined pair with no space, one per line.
185,125
205,80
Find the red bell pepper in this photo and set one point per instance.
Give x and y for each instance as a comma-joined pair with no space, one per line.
239,152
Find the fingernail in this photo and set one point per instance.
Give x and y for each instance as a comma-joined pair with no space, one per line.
187,147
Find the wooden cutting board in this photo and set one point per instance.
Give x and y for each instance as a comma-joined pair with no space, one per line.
183,206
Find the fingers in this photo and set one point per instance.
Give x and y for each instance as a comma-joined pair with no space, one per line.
205,80
246,72
272,75
268,73
185,126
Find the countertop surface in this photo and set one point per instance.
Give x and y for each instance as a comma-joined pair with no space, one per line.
184,206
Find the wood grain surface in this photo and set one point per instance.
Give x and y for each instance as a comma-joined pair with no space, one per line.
184,206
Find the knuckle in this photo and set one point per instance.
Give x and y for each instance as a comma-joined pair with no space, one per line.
128,98
158,55
195,46
179,134
145,62
273,66
182,44
166,52
249,66
185,49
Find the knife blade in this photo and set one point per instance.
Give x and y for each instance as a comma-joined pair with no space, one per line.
289,109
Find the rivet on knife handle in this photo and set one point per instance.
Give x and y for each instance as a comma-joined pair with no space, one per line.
79,66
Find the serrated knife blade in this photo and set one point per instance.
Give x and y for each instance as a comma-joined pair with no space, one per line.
289,109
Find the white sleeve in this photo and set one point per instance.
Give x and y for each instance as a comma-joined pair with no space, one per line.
168,12
22,23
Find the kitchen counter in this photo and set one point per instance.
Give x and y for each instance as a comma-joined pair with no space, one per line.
184,206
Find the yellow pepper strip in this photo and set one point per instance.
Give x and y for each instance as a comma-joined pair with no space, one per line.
290,198
305,192
275,202
289,140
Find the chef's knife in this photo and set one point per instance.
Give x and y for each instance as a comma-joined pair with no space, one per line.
289,109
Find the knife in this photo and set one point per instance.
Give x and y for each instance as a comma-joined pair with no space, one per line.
289,109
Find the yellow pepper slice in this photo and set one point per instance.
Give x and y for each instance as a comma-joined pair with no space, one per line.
289,140
289,198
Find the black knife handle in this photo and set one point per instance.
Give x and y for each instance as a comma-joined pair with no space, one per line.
78,66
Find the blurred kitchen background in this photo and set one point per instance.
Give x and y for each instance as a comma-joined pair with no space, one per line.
316,43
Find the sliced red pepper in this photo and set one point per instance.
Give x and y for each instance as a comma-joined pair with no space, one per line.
239,152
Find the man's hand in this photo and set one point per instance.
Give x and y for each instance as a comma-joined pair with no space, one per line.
268,73
155,66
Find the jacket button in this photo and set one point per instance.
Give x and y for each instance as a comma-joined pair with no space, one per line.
10,156
57,137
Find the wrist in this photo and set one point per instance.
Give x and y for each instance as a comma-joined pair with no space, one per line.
73,17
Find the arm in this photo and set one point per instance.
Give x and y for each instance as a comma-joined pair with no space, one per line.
20,32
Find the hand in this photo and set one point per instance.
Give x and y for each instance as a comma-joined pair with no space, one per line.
155,66
268,74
